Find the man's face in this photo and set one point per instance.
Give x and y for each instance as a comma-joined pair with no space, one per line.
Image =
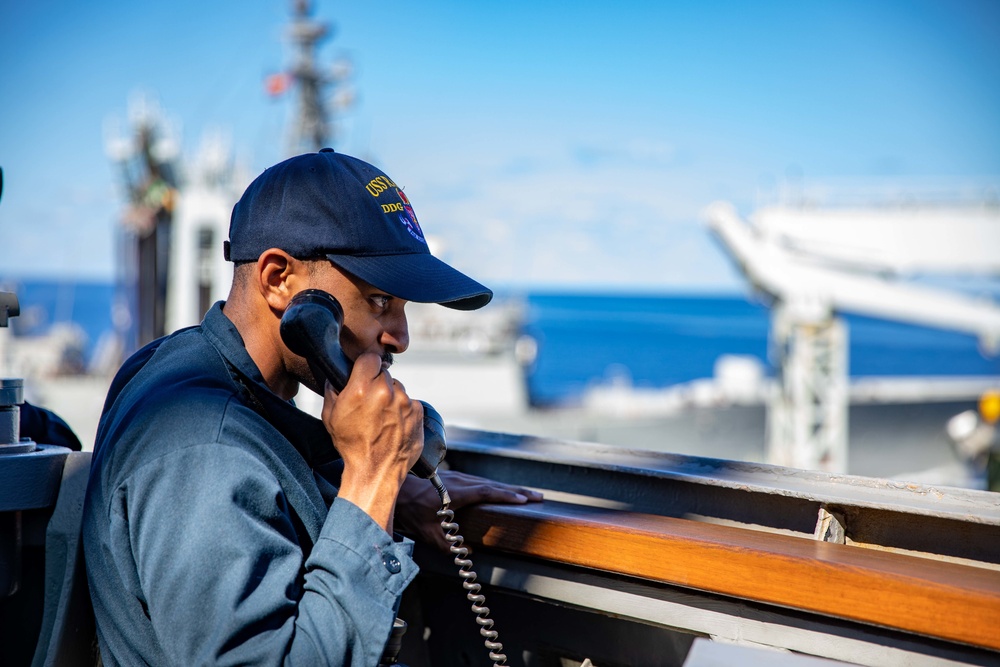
373,320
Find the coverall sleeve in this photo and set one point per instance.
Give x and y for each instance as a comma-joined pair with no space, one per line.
221,569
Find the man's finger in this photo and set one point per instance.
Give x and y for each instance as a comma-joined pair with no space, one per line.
368,366
486,493
531,495
458,480
330,391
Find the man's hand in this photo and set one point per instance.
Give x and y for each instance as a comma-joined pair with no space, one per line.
378,431
416,509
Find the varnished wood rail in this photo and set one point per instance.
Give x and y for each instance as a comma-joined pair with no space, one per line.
953,602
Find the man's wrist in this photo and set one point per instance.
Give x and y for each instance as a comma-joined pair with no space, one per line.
374,498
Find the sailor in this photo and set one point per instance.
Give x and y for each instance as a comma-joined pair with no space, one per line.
223,525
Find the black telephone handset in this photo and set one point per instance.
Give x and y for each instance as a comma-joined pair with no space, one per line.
310,327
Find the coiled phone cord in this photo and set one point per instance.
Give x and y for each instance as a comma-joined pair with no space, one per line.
455,546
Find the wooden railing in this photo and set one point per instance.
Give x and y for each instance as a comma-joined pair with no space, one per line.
928,597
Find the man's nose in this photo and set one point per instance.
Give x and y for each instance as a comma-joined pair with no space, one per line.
396,334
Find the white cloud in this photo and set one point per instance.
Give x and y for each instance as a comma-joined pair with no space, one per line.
630,219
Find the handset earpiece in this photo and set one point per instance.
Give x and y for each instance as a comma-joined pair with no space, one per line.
310,327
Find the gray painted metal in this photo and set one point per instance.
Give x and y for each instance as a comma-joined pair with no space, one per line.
615,599
11,391
11,395
31,479
940,522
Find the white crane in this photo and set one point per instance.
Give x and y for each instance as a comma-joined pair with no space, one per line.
816,263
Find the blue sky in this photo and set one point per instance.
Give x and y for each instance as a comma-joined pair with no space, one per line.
547,143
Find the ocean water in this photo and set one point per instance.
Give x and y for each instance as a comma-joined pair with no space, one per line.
657,341
654,340
47,302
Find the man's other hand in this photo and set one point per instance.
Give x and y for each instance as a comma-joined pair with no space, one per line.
418,503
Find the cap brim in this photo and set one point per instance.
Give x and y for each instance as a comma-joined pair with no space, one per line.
417,277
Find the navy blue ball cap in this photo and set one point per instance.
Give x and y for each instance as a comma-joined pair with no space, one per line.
334,205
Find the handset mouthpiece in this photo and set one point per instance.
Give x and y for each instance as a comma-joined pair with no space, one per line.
435,445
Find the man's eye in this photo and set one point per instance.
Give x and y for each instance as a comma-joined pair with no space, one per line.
380,301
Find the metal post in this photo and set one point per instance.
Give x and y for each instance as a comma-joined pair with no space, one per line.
808,413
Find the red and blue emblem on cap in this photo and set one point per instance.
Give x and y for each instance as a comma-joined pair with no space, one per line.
409,219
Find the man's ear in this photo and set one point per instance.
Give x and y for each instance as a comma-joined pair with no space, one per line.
279,277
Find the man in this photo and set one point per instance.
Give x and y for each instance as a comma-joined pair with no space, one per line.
221,526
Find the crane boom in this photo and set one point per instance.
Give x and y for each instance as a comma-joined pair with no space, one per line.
808,411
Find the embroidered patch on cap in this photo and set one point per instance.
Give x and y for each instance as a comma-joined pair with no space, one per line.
409,219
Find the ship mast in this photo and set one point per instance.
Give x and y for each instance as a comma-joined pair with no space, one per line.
156,256
311,128
145,158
